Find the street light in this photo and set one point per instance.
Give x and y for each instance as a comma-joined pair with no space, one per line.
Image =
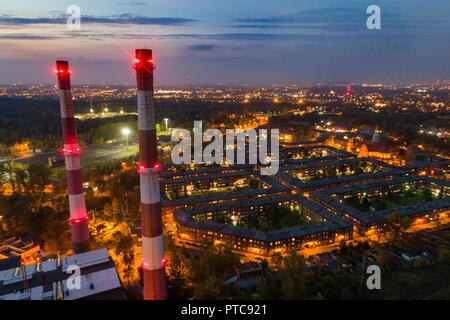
126,133
166,121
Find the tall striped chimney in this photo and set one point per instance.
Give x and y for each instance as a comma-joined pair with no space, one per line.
152,240
71,151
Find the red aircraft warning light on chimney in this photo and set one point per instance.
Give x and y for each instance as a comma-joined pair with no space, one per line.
153,261
348,91
71,151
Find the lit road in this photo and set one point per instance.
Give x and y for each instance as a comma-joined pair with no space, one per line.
108,152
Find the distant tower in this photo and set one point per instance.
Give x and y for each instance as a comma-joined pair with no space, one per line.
71,151
153,261
376,135
186,83
348,91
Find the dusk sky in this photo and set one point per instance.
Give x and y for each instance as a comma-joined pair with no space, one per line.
228,41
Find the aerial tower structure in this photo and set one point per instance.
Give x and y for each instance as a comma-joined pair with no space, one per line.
348,91
153,261
71,151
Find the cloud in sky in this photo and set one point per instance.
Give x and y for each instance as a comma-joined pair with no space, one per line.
202,47
343,19
123,19
25,36
134,3
285,41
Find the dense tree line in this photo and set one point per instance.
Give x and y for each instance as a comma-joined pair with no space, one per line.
38,120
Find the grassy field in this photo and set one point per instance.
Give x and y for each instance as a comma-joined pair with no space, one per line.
393,200
273,219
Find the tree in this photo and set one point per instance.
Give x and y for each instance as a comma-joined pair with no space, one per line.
211,268
405,223
128,260
343,249
444,255
386,259
101,184
115,208
427,195
175,268
395,229
123,243
17,208
123,247
265,265
15,174
3,175
264,224
218,261
24,215
20,178
209,289
268,287
319,296
437,219
293,277
420,262
253,184
38,177
9,169
277,260
365,203
107,210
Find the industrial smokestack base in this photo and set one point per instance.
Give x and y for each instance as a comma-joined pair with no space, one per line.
71,151
80,232
153,290
153,262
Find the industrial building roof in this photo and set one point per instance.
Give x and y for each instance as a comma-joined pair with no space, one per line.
48,280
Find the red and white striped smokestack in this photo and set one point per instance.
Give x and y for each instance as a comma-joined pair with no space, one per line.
152,239
71,151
